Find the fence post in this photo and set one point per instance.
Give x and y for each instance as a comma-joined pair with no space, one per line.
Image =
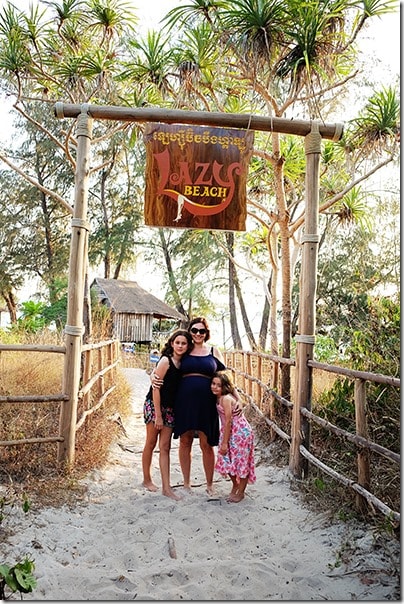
363,454
74,327
300,428
86,377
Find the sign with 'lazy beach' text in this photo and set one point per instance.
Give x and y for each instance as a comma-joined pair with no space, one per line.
196,176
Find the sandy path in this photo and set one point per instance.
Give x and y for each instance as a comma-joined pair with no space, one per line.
115,545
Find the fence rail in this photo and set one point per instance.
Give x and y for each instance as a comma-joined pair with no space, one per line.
252,372
100,361
238,361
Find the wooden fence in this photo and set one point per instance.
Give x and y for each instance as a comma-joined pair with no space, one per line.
99,362
251,374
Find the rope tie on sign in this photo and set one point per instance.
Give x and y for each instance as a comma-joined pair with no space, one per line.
305,339
81,223
312,140
74,330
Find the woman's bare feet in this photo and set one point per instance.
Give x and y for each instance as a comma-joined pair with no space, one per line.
150,486
170,493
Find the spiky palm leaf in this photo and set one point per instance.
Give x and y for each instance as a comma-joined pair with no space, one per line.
378,122
254,27
352,209
313,33
190,13
111,16
151,62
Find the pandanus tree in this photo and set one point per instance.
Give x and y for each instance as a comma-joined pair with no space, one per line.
288,59
277,58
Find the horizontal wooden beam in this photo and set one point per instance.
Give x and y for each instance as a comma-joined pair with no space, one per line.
204,118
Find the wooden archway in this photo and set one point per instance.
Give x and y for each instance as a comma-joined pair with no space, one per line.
313,131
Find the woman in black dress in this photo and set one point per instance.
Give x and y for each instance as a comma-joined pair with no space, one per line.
195,405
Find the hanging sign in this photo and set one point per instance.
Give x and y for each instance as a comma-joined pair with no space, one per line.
196,176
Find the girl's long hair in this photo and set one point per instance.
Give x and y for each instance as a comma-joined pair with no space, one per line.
225,381
168,349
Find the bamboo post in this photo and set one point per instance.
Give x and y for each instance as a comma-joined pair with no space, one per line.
250,372
74,328
272,399
87,376
363,454
300,428
244,369
101,379
259,374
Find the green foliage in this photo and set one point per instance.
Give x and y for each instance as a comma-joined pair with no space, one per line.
319,484
32,319
378,122
17,578
376,345
326,350
338,403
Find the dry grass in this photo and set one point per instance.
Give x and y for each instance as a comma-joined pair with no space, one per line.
31,470
320,490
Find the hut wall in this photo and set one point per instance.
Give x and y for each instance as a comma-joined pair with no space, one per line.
130,327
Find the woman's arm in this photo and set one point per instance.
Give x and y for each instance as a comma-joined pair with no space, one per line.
156,379
226,404
218,354
163,366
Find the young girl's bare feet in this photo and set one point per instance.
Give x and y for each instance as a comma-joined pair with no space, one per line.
170,493
150,486
236,498
210,490
232,494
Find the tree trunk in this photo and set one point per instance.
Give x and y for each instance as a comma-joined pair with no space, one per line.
11,304
262,337
246,322
171,278
283,220
235,334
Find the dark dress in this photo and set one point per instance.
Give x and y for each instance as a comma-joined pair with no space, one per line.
168,393
195,404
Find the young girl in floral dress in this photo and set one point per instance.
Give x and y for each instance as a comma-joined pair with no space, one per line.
236,442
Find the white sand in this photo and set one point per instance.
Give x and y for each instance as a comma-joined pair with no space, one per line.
115,545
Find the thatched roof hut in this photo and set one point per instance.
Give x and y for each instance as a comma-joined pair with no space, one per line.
133,309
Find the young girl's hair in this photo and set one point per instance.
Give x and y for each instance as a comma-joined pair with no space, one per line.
168,349
225,381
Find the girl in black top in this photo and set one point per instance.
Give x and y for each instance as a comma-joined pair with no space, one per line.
159,413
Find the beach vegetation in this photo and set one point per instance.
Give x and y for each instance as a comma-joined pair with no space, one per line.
33,468
17,578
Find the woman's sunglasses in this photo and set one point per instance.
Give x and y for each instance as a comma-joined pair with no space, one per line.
195,330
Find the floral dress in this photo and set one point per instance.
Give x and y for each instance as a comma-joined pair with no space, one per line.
239,459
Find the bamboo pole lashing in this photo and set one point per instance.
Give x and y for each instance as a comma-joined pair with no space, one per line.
245,121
